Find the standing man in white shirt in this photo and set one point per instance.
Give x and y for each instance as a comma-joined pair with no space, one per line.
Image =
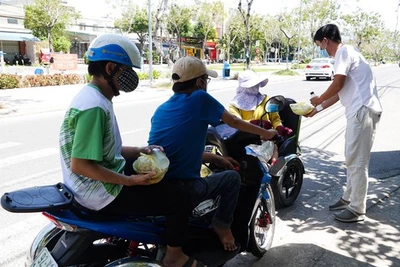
355,86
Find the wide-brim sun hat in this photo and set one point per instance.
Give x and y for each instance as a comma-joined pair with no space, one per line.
188,68
249,78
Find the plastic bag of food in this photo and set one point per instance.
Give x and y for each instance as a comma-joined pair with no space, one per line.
264,151
148,163
301,108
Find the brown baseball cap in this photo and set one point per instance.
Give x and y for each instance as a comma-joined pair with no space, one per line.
188,68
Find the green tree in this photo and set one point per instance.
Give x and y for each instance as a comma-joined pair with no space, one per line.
288,27
377,47
245,13
135,20
47,19
271,36
61,44
178,23
362,27
256,35
314,14
234,30
209,15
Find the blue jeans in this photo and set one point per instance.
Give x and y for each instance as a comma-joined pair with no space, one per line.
225,184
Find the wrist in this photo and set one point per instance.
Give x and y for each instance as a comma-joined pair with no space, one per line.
319,108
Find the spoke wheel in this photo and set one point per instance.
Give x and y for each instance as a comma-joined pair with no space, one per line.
262,228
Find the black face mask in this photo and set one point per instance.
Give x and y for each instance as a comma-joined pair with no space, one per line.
128,80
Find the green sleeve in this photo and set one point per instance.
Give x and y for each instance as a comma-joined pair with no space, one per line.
89,127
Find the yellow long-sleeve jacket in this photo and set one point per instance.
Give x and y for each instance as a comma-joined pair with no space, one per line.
256,114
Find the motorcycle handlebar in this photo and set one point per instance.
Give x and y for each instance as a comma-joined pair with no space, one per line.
278,139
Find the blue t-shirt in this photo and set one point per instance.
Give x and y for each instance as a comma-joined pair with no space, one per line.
180,126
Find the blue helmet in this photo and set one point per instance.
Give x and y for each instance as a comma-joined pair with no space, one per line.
115,48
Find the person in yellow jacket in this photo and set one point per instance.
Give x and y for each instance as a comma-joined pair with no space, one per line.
248,104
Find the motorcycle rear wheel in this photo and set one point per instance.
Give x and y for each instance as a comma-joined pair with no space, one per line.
287,187
262,227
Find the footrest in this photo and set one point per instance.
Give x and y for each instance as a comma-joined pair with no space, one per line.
38,198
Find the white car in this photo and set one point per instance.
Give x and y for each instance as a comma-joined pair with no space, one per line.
320,68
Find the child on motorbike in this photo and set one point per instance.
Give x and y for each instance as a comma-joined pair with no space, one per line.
96,166
249,103
180,125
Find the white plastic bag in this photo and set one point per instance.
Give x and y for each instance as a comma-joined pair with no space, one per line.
148,163
301,108
264,151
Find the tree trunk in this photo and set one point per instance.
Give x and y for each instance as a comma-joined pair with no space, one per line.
49,38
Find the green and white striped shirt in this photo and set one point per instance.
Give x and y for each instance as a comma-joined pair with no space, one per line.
90,131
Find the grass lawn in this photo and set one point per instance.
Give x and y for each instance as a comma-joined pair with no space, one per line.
238,67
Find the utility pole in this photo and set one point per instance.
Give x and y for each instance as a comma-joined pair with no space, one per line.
298,45
150,47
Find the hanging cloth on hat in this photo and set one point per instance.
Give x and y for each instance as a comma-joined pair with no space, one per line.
247,98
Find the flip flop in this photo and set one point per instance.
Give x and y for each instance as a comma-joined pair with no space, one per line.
190,262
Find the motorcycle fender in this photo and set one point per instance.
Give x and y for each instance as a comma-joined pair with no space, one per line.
64,246
47,235
280,165
71,246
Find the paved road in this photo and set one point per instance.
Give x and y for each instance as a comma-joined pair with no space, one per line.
306,234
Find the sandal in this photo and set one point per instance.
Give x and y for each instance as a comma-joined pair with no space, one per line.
340,205
190,262
349,216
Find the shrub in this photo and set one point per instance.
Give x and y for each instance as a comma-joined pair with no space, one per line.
85,58
9,81
235,76
145,75
286,72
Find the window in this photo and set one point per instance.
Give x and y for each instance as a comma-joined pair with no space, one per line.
12,21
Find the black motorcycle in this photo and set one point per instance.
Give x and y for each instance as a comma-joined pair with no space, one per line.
286,185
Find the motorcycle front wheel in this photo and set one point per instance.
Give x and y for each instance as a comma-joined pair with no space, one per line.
262,227
287,187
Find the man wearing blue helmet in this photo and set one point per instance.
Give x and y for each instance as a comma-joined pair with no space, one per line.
95,164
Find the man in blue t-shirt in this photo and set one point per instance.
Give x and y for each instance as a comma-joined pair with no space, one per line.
180,126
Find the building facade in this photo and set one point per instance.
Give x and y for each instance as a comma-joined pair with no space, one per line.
14,38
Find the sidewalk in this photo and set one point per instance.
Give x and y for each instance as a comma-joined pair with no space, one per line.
309,235
22,101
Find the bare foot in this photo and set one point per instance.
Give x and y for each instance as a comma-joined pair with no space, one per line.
226,237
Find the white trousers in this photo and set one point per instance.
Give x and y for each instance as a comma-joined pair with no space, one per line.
359,137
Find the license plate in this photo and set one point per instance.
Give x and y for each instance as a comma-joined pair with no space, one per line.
44,259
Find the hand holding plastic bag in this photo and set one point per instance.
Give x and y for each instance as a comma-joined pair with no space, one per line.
302,108
153,162
264,151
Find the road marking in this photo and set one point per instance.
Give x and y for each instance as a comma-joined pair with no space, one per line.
28,156
33,177
9,144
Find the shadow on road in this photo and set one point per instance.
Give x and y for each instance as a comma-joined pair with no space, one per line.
8,105
384,164
306,255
